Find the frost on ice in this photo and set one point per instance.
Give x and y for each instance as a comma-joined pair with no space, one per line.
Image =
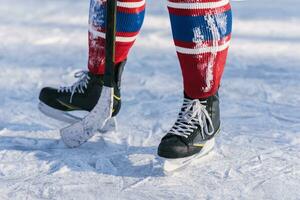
257,154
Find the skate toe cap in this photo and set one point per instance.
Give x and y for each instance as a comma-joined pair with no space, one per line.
49,97
173,147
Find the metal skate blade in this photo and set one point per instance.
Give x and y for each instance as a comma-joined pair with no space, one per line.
74,116
60,115
79,132
173,165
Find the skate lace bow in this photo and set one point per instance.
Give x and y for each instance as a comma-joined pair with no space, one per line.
192,115
78,86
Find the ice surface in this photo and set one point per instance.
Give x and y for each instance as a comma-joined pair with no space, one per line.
257,154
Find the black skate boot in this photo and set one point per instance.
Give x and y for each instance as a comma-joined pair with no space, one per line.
81,96
194,130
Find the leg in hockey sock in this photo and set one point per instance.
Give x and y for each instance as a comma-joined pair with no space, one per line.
201,31
130,16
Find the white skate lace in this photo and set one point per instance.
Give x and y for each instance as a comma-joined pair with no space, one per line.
192,115
78,86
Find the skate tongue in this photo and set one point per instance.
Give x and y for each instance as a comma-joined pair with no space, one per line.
187,97
202,100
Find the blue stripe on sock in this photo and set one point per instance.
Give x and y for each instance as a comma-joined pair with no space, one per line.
183,26
125,22
129,22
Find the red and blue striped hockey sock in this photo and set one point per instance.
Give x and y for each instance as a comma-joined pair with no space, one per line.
201,31
130,17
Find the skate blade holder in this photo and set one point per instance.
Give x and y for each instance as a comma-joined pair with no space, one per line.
81,131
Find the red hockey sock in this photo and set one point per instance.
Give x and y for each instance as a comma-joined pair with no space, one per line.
130,16
201,31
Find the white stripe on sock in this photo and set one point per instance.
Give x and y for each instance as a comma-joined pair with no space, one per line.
198,5
131,4
202,49
96,33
